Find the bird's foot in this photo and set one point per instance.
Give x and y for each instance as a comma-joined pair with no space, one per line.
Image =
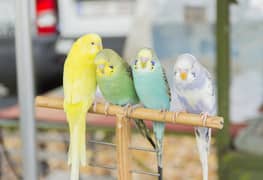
133,107
176,114
126,109
204,116
94,106
106,108
164,111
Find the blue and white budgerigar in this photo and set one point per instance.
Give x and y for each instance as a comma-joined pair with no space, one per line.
153,91
195,90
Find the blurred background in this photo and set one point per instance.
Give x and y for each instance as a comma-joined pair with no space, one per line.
171,28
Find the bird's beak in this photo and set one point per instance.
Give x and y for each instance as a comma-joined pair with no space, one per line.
100,47
144,61
143,64
183,75
100,65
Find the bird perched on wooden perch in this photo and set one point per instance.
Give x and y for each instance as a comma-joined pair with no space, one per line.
152,88
195,90
116,84
79,84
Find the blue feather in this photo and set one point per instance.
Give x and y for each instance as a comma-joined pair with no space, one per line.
153,91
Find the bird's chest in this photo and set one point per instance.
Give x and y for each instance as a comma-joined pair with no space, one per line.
152,91
118,90
193,97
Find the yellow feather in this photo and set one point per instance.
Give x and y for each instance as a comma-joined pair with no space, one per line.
79,84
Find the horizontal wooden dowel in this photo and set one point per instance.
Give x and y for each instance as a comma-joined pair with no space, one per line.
140,113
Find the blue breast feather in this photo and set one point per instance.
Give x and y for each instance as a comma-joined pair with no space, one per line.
151,89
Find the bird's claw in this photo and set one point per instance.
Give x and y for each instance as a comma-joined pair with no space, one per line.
176,114
106,108
204,116
133,107
126,109
94,106
164,111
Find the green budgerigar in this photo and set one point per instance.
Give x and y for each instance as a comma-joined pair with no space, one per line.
115,81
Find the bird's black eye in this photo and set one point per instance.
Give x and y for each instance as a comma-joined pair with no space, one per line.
92,43
194,74
135,62
153,63
111,67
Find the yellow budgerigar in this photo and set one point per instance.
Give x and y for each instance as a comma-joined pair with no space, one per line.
79,84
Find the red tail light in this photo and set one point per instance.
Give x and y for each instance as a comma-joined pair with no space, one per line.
46,17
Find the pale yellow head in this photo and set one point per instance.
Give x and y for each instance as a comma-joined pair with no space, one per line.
145,60
89,45
108,63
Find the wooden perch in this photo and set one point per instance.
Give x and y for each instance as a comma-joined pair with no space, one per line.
141,113
123,138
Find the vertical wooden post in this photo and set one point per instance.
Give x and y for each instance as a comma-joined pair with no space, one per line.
223,70
223,78
123,141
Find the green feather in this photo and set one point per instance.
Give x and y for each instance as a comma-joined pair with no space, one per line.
117,87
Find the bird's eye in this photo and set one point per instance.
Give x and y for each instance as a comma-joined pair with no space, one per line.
194,74
92,43
153,63
111,67
135,62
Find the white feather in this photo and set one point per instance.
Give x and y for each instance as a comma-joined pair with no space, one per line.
193,96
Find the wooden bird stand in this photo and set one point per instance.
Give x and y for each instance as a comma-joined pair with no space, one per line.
123,136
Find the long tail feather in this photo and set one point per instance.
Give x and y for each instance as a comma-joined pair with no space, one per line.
77,147
75,154
158,129
203,137
141,126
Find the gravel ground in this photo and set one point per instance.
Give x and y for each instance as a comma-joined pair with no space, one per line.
181,159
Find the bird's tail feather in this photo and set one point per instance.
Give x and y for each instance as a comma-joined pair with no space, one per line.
158,129
141,126
203,137
77,146
75,154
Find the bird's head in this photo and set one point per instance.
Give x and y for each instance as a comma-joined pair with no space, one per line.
145,60
89,45
186,69
107,62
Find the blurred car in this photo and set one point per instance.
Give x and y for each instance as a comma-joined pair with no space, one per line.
44,36
55,26
109,18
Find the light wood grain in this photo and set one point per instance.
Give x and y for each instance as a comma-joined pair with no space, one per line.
141,113
123,138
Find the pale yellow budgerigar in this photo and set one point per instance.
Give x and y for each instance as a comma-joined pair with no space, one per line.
79,84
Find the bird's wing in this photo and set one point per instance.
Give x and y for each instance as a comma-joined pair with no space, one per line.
209,97
211,83
68,76
127,68
79,83
167,85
